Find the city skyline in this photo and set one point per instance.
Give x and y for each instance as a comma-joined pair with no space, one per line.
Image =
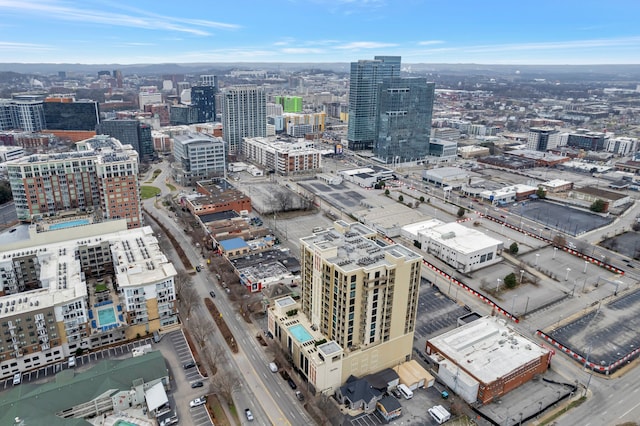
98,32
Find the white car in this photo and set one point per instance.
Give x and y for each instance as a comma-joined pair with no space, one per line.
249,414
198,402
72,361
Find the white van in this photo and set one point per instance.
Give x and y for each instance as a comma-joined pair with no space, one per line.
17,379
405,391
439,414
273,367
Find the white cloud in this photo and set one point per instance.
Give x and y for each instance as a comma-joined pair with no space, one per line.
556,45
302,50
141,19
10,45
365,45
430,42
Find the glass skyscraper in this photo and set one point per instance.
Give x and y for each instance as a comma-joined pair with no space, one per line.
365,77
403,126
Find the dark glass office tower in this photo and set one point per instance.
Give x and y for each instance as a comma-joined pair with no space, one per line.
132,132
204,99
403,125
80,115
365,77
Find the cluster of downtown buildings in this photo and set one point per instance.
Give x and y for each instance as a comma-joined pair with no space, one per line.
98,277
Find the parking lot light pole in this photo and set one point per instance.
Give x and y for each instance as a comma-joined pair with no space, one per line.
567,277
555,250
498,286
537,257
521,275
585,267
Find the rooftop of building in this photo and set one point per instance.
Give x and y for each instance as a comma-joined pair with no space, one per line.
214,217
234,244
349,246
555,183
456,236
38,404
487,348
536,155
267,257
195,137
135,252
282,145
447,172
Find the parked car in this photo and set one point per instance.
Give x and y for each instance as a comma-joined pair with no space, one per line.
197,385
188,365
300,396
292,384
198,402
17,379
72,361
249,414
212,294
396,393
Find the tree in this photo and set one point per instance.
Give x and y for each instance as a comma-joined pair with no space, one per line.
400,198
224,385
282,200
513,248
598,206
189,299
181,281
541,193
386,192
200,328
5,192
510,280
461,211
421,199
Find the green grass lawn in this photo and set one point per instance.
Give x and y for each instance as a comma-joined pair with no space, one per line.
156,172
147,192
101,287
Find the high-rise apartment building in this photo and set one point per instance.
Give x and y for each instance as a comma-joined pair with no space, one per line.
365,77
403,128
244,114
358,308
130,132
588,140
542,138
209,80
198,157
101,176
27,115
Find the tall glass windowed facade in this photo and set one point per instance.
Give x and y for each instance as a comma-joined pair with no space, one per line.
403,125
81,115
365,77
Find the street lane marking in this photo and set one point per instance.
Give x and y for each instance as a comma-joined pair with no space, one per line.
630,410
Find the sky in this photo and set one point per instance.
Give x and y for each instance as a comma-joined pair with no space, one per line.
421,31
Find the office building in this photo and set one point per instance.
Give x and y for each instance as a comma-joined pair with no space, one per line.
622,145
130,132
244,115
290,103
65,113
315,121
485,359
102,176
8,153
357,311
365,77
149,95
465,249
203,98
587,140
284,158
77,285
403,127
543,138
198,157
180,115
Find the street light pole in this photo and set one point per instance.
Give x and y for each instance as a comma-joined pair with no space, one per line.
537,257
555,250
521,275
498,286
585,267
567,277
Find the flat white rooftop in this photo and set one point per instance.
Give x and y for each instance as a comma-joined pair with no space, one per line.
487,348
460,238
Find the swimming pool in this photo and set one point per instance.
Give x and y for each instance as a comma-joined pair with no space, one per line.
106,316
70,224
123,423
300,333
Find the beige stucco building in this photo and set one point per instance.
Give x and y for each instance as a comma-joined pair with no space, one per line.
358,307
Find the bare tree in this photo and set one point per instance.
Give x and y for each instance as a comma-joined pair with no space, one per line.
282,200
182,281
190,300
200,328
559,241
224,384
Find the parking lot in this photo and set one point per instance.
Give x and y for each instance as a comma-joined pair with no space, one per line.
436,313
606,334
566,219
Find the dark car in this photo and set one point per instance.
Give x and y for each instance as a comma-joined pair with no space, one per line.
300,396
212,294
292,384
188,365
197,385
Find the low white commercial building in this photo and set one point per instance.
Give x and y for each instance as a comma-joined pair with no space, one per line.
446,176
465,249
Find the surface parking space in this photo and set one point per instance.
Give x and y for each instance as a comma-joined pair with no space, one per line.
605,334
199,416
436,313
562,218
368,420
